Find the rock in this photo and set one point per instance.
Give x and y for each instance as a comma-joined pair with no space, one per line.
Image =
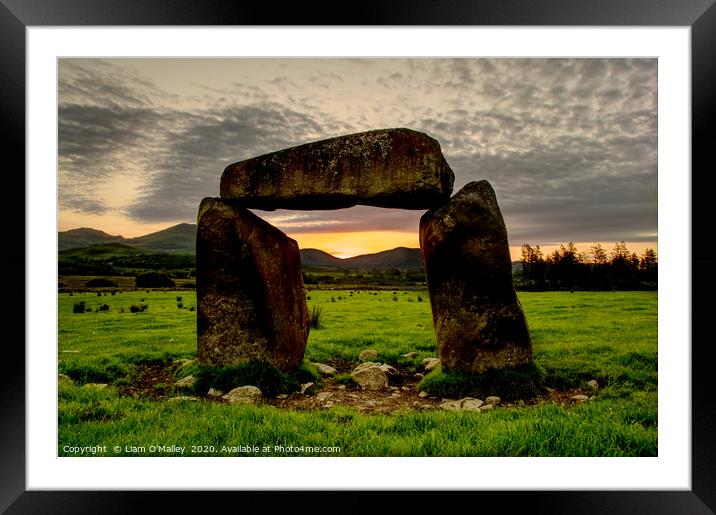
324,396
479,323
243,395
251,303
307,388
487,407
214,393
367,364
418,375
579,398
368,355
328,404
593,384
282,396
431,363
464,404
63,378
398,168
180,398
182,361
450,405
325,370
493,400
370,377
342,387
405,388
409,355
470,404
186,383
95,386
423,394
391,371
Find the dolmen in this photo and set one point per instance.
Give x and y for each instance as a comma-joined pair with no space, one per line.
251,302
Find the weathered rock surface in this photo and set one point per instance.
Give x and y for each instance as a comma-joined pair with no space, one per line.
186,383
367,355
64,378
479,323
250,299
325,370
409,355
388,369
243,395
579,398
370,376
430,364
398,168
307,388
464,404
213,392
493,400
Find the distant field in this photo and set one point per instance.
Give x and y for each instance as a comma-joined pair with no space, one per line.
78,282
607,336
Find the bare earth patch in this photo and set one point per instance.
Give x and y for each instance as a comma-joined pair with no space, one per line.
402,396
152,381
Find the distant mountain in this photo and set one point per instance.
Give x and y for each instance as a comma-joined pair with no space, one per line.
400,258
181,239
315,257
85,237
178,239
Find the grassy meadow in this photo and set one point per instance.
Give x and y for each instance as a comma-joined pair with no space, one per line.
577,337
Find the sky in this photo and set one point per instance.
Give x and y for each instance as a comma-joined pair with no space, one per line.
569,145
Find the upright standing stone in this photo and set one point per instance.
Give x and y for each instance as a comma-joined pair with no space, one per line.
251,304
479,323
398,168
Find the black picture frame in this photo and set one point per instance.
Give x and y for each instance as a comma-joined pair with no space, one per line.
699,15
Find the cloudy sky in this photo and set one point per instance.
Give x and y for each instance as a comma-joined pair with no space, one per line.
569,145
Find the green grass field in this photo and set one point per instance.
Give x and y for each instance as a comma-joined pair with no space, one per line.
607,336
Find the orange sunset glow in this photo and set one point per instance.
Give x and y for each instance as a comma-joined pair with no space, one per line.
349,244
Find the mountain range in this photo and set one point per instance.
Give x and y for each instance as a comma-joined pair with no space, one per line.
178,239
181,239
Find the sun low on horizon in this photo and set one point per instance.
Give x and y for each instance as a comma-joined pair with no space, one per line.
350,244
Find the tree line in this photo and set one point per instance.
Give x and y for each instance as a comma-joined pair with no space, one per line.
596,269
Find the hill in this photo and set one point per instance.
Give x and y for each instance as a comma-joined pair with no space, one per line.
401,258
85,237
178,239
101,251
319,258
92,244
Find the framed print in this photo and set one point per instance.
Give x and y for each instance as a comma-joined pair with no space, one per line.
139,120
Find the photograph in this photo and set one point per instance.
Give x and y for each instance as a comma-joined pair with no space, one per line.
357,257
446,251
